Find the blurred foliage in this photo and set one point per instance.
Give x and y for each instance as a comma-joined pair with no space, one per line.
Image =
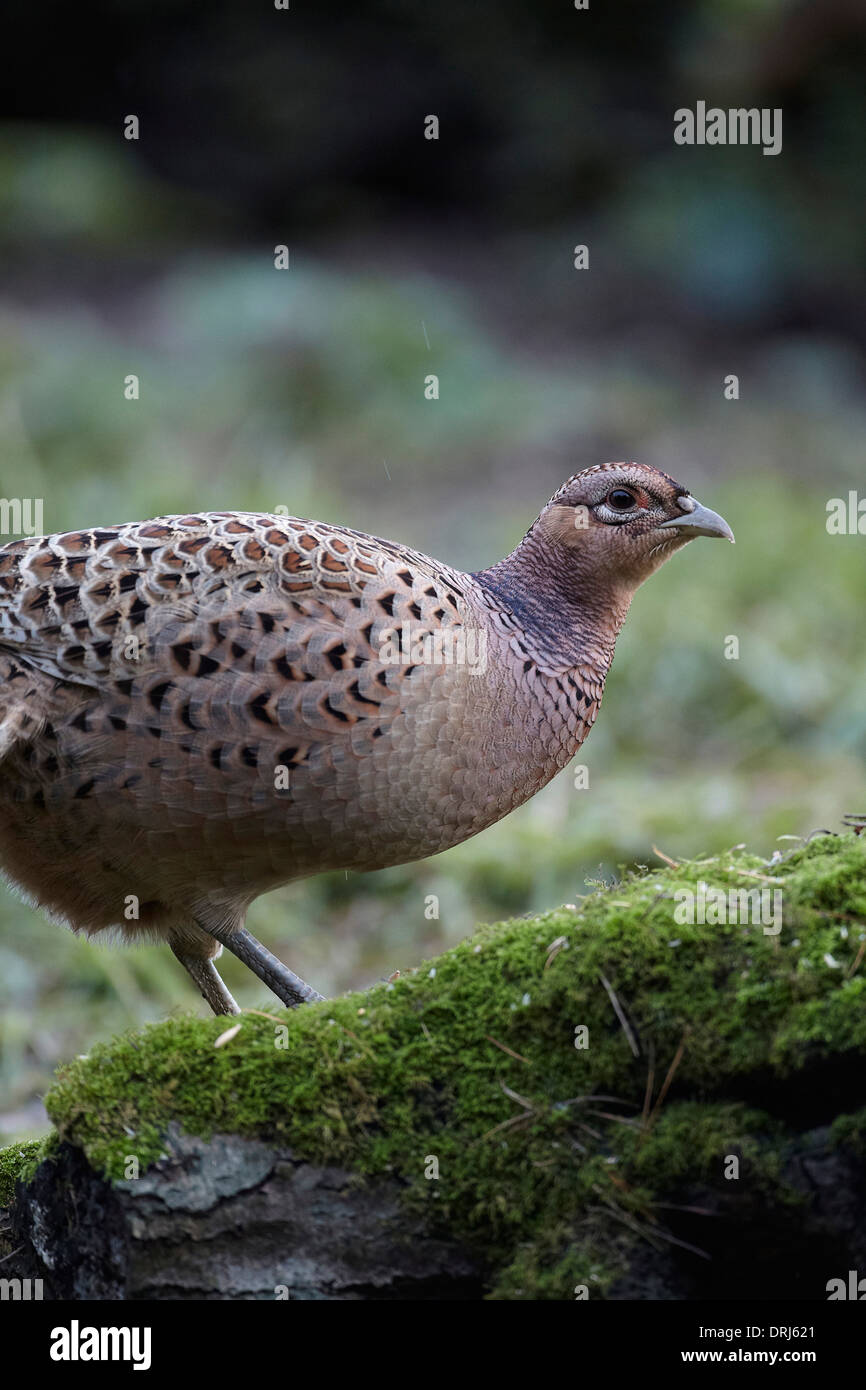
305,389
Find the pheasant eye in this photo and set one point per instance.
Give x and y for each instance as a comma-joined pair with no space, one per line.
620,499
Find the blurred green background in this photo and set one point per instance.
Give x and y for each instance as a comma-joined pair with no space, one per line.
305,389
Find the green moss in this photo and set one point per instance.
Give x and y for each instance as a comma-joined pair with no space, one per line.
424,1067
19,1162
850,1131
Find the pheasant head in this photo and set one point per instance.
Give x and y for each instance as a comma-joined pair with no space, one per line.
607,529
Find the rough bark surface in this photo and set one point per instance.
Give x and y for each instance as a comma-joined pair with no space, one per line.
233,1218
227,1219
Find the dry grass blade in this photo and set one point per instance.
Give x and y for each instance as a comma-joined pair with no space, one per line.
227,1036
507,1124
666,1085
752,873
585,1100
855,964
665,858
513,1095
622,1216
595,1134
677,1206
683,1244
510,1052
620,1013
617,1119
649,1235
842,916
650,1083
554,949
528,1112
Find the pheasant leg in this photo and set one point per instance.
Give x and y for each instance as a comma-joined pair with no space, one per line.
208,982
286,985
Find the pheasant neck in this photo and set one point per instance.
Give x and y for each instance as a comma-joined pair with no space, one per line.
571,616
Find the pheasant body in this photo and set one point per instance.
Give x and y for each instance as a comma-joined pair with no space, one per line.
194,710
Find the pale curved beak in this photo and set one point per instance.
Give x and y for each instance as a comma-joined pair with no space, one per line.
700,521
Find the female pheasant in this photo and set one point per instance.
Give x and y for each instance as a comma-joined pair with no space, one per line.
197,709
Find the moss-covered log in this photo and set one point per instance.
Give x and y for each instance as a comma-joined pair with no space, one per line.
607,1100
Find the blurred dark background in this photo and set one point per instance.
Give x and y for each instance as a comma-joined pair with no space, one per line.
305,389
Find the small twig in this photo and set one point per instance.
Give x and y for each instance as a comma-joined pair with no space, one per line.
751,873
516,1055
648,1121
677,1206
620,1215
846,917
513,1095
593,1133
666,858
853,968
678,1057
506,1124
528,1110
606,1115
584,1100
554,949
617,1007
650,1083
649,1234
683,1244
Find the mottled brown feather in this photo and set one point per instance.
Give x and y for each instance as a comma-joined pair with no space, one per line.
154,676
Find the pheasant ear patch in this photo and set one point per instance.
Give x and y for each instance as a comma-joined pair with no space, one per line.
566,525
